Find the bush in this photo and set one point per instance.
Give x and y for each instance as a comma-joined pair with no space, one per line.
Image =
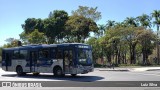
97,65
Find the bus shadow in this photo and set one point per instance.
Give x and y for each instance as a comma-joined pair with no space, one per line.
65,78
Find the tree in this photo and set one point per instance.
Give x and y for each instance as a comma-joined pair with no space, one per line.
156,16
88,12
95,48
80,27
24,37
50,30
131,37
100,31
40,25
50,15
110,24
116,45
31,24
146,39
12,42
131,21
144,20
55,25
9,40
36,37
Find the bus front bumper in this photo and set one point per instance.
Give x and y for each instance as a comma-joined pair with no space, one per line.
85,69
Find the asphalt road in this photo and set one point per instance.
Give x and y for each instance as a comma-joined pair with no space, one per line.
90,77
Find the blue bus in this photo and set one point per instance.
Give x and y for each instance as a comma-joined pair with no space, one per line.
59,59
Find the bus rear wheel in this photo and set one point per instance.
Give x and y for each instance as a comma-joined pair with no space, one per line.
58,72
19,71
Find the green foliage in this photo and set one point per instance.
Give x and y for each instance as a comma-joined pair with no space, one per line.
97,65
96,48
79,27
55,25
121,44
145,20
110,24
146,39
59,27
100,32
24,37
131,21
36,37
88,12
11,43
31,24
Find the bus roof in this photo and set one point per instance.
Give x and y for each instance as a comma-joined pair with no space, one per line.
44,46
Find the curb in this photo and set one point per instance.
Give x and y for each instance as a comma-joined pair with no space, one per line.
153,70
116,70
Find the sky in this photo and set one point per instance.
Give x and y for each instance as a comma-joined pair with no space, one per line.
13,13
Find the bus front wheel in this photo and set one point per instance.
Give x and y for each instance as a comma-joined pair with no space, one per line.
19,71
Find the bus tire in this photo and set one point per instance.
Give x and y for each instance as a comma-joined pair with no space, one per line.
58,72
36,74
73,75
19,71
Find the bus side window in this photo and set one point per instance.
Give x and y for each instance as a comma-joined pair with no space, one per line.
59,54
23,54
70,55
16,54
44,54
53,53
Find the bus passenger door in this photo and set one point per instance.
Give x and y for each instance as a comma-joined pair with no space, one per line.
8,60
33,61
67,60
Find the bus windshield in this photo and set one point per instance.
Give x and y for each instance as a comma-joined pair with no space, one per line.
85,56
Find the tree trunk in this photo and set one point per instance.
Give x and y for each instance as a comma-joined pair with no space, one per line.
143,52
125,57
133,58
109,58
116,61
158,45
119,59
130,49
